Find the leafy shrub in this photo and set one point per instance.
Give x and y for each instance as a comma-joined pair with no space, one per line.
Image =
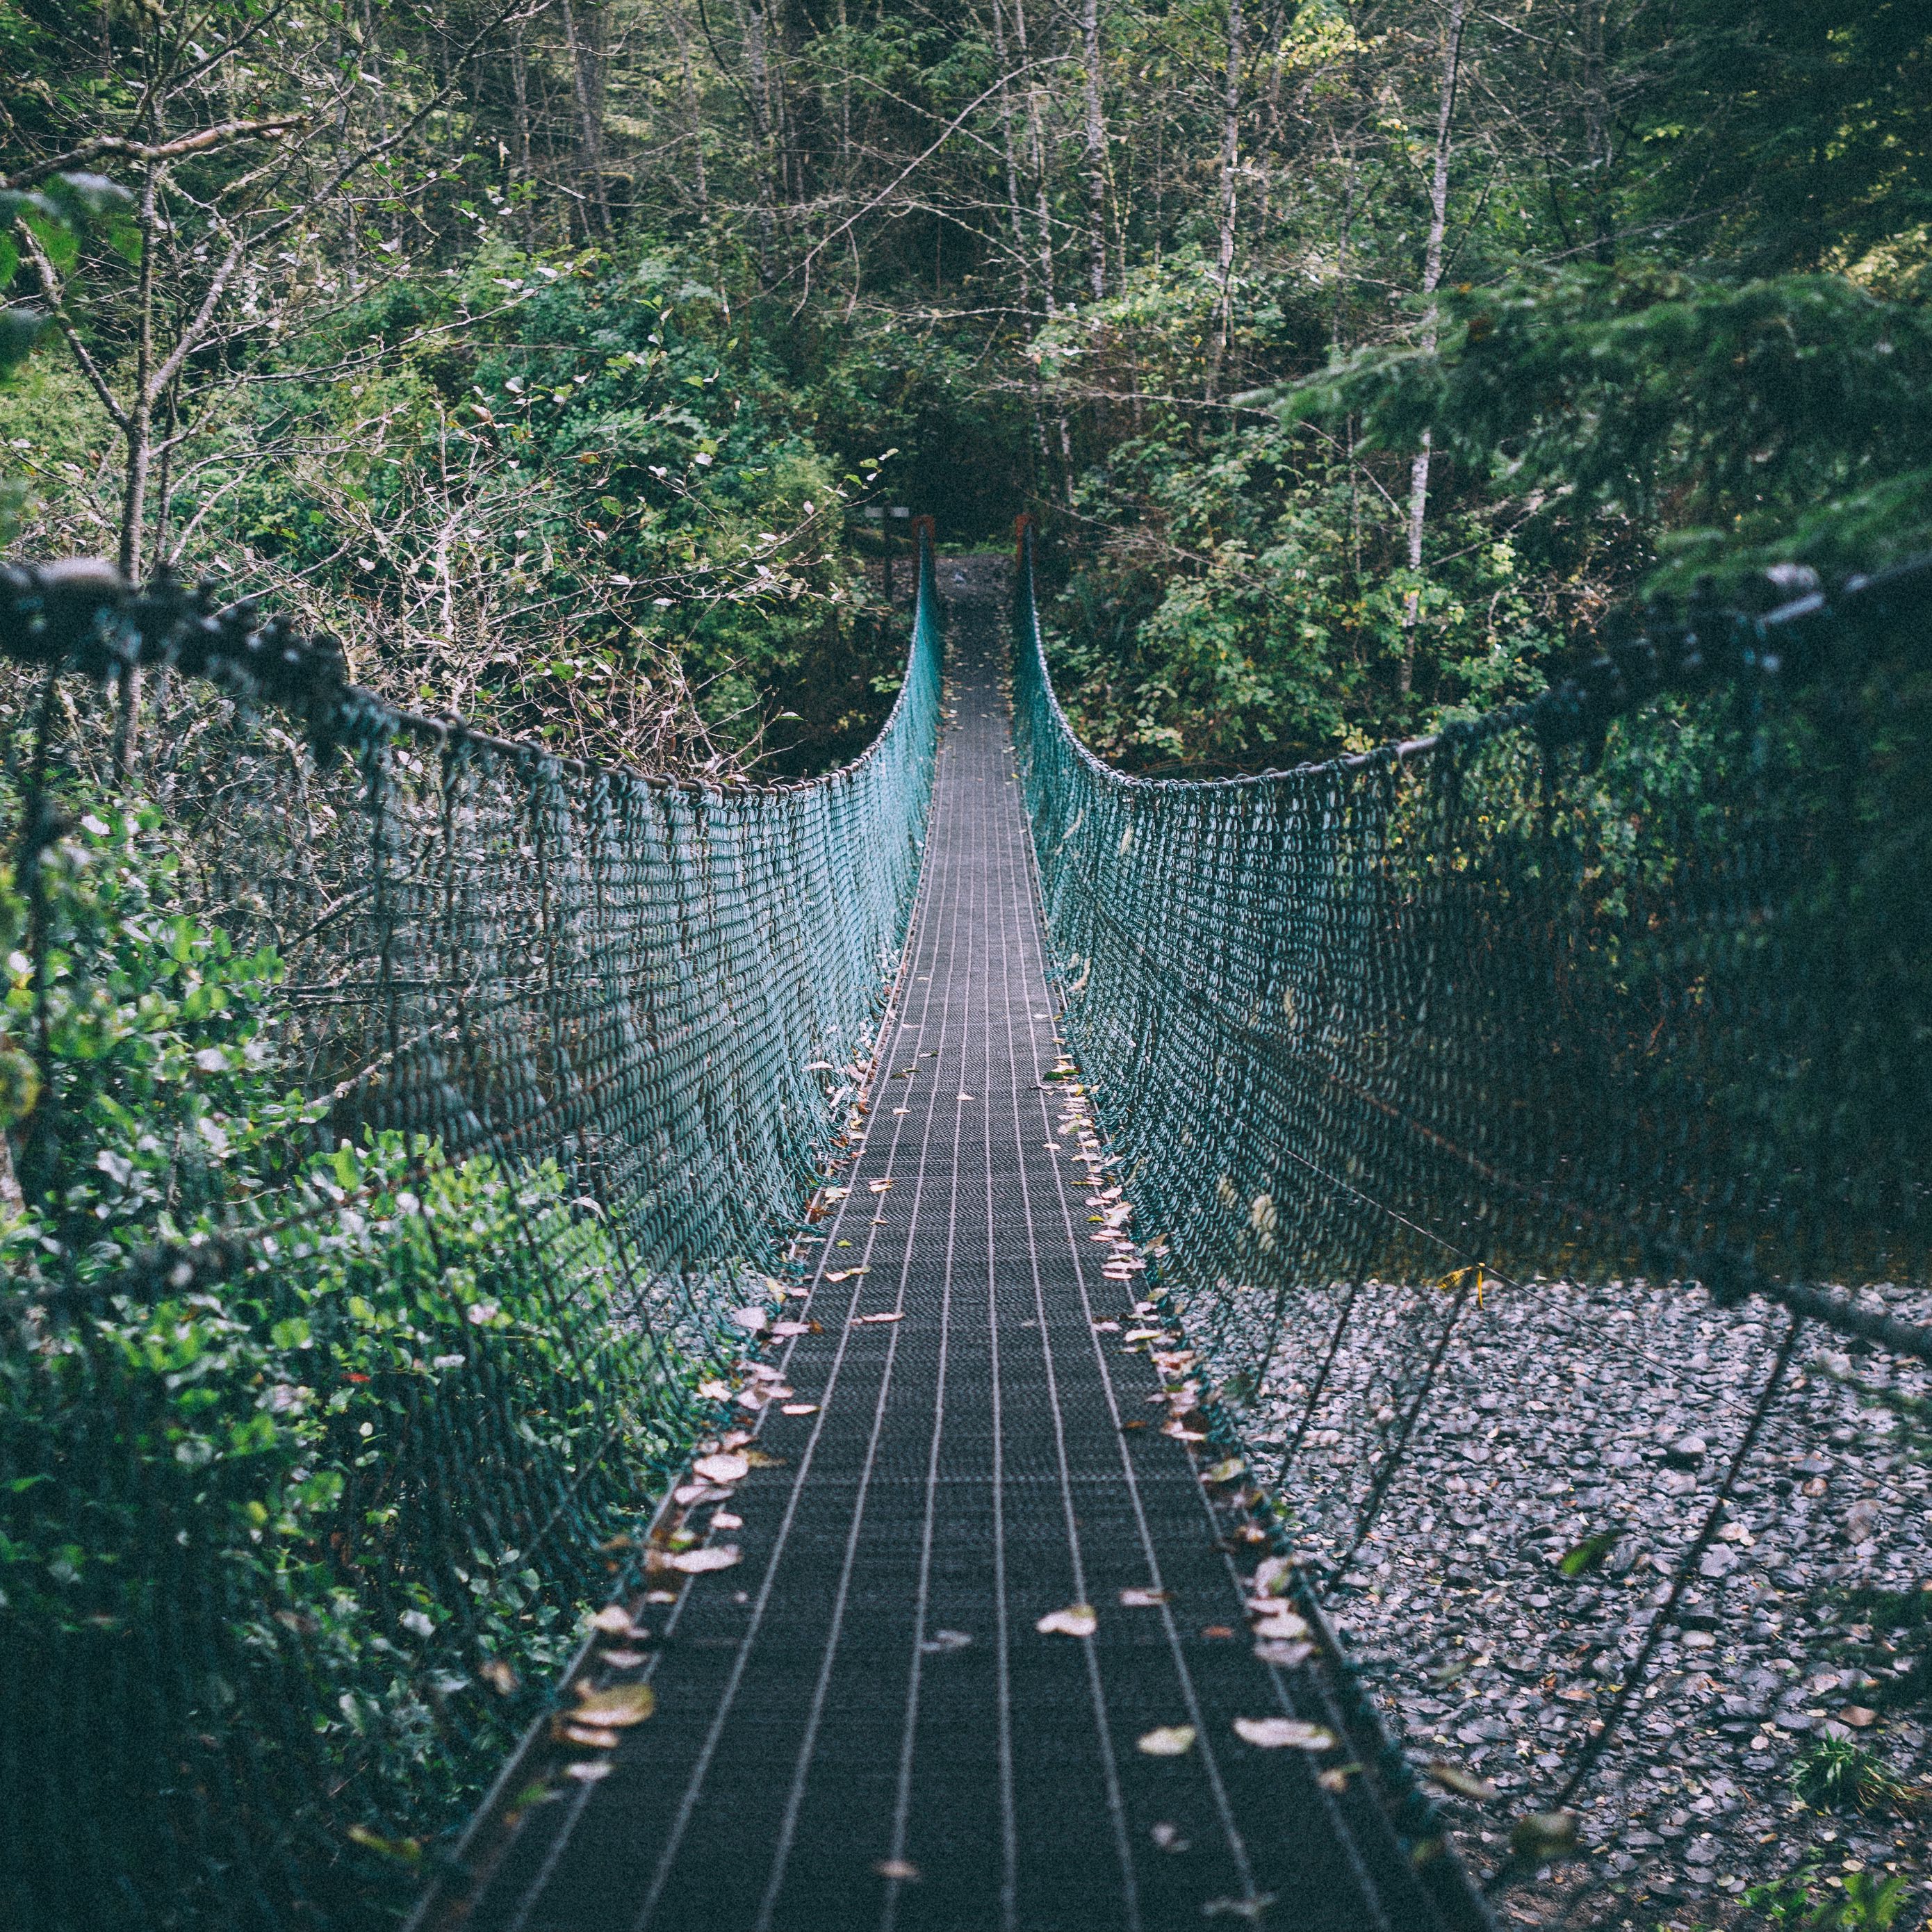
284,1542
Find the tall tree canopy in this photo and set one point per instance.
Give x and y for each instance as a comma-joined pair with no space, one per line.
1358,355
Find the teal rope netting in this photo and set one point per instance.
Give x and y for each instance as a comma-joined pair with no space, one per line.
1633,981
398,1118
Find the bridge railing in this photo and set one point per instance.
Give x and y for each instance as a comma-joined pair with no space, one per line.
1478,1099
398,1120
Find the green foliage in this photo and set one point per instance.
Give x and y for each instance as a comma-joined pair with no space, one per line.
57,213
1249,612
275,1489
1834,1774
1763,421
1801,1901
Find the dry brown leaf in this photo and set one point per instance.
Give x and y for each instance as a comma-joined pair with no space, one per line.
595,1737
1284,1733
1464,1783
798,1409
713,1556
1285,1656
895,1315
901,1869
1137,1599
1167,1740
612,1709
1076,1620
724,1467
612,1618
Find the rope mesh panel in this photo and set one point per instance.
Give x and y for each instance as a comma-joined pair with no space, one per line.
1558,1032
414,1110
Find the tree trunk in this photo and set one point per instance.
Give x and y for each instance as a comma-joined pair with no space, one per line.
1015,220
1597,130
693,112
1432,278
590,159
520,83
1231,160
139,432
1096,151
760,93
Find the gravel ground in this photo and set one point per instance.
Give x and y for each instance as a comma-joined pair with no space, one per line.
1561,1413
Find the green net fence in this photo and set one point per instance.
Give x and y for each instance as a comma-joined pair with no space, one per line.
396,1118
1527,1130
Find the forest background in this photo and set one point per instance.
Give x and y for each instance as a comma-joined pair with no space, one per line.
1358,357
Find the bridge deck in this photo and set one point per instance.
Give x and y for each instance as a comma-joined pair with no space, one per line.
827,1752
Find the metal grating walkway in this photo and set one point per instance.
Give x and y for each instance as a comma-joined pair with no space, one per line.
827,1752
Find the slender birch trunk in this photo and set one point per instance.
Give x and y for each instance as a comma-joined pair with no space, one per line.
1096,150
1230,161
590,159
1432,278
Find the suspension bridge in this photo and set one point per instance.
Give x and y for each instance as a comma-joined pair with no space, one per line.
913,1179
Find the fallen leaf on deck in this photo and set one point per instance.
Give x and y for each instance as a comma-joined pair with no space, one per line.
940,1641
1215,1631
1139,1599
798,1408
878,1186
790,1328
1278,1733
1076,1620
625,1659
760,1459
724,1519
595,1739
1285,1656
715,1556
723,1468
715,1390
1253,1909
895,1315
901,1869
613,1709
1106,1327
1281,1626
1224,1472
1167,1740
613,1618
753,1319
588,1771
846,1274
1337,1779
1168,1836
